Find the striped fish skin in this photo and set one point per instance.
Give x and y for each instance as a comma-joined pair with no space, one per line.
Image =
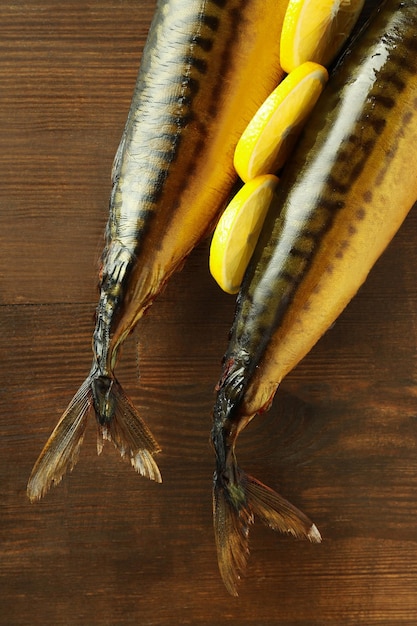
349,186
206,68
174,170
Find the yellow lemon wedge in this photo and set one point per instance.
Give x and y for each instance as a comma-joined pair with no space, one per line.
237,232
315,30
270,135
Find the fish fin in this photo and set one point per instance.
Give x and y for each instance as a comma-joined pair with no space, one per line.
63,446
232,518
119,422
278,513
236,502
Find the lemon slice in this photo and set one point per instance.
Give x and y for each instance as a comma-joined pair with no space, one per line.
272,132
315,30
237,232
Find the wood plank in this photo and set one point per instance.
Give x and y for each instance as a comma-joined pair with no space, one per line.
63,66
107,547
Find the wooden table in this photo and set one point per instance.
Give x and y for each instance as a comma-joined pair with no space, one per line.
108,547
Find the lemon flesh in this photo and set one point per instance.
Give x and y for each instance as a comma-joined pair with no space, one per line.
237,232
315,30
269,137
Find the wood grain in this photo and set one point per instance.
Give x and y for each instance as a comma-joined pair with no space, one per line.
107,547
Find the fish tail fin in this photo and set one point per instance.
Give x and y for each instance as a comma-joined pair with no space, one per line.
117,420
63,446
237,499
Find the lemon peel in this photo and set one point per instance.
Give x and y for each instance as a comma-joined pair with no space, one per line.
315,30
270,135
237,232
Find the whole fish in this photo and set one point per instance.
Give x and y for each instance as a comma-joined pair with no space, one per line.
348,187
206,68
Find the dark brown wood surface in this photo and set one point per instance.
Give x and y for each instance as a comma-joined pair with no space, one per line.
107,547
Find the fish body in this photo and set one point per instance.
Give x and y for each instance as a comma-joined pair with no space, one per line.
206,68
348,187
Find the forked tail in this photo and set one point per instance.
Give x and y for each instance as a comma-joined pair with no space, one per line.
117,421
237,499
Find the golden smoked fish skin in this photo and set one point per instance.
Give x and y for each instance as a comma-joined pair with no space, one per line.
349,185
206,68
